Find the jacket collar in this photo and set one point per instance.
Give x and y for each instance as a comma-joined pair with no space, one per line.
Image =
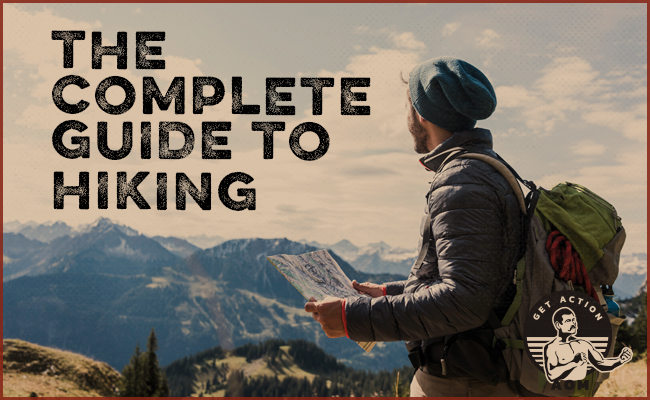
477,138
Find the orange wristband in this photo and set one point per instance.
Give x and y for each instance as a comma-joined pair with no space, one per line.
345,322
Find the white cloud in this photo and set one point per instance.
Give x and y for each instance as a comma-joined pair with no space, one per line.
386,97
31,37
450,28
561,48
178,66
361,29
43,114
513,96
633,124
326,193
407,40
571,85
588,148
489,39
370,168
623,182
569,77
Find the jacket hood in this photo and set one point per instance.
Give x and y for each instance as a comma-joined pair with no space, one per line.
477,138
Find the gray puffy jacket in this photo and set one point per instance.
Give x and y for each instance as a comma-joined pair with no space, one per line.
469,267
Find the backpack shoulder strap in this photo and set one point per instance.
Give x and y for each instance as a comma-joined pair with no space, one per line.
505,171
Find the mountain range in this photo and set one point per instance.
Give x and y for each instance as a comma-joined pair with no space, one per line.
48,231
632,275
99,291
373,258
99,288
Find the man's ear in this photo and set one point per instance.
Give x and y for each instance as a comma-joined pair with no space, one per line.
421,119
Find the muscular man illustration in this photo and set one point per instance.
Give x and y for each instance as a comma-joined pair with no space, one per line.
567,357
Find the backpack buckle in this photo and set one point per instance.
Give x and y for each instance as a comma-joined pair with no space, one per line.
417,358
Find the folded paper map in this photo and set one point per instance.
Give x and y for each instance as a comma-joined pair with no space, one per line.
317,275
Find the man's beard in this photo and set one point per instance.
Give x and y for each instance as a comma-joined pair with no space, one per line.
419,134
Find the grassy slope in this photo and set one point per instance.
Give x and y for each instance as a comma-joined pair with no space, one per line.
28,368
630,380
284,367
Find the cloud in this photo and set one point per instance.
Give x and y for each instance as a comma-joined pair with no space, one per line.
569,77
513,96
489,39
26,38
570,92
364,150
48,69
561,48
407,40
588,148
361,29
450,28
370,169
571,85
385,128
623,181
633,124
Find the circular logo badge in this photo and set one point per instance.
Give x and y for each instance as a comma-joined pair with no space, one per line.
563,330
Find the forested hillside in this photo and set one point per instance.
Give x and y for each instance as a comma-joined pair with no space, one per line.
277,368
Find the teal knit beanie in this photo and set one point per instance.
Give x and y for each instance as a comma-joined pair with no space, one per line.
451,93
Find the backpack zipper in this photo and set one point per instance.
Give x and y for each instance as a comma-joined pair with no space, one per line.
595,197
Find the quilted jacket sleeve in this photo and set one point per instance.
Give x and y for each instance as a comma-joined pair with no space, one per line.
467,225
394,288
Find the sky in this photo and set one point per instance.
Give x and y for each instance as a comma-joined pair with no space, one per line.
570,79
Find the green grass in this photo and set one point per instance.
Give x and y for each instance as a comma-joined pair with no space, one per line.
50,372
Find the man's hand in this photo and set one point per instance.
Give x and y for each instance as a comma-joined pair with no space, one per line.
372,289
583,358
328,313
580,358
626,355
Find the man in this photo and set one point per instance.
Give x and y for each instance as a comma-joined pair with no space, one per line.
567,357
472,227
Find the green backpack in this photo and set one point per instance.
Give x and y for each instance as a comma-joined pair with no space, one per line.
595,231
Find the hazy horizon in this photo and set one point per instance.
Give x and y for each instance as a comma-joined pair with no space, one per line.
226,238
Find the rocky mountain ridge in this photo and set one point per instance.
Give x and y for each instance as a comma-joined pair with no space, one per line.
97,292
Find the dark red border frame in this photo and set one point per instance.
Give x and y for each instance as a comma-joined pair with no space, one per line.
262,2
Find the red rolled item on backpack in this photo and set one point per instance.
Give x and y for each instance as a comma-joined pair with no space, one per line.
567,262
